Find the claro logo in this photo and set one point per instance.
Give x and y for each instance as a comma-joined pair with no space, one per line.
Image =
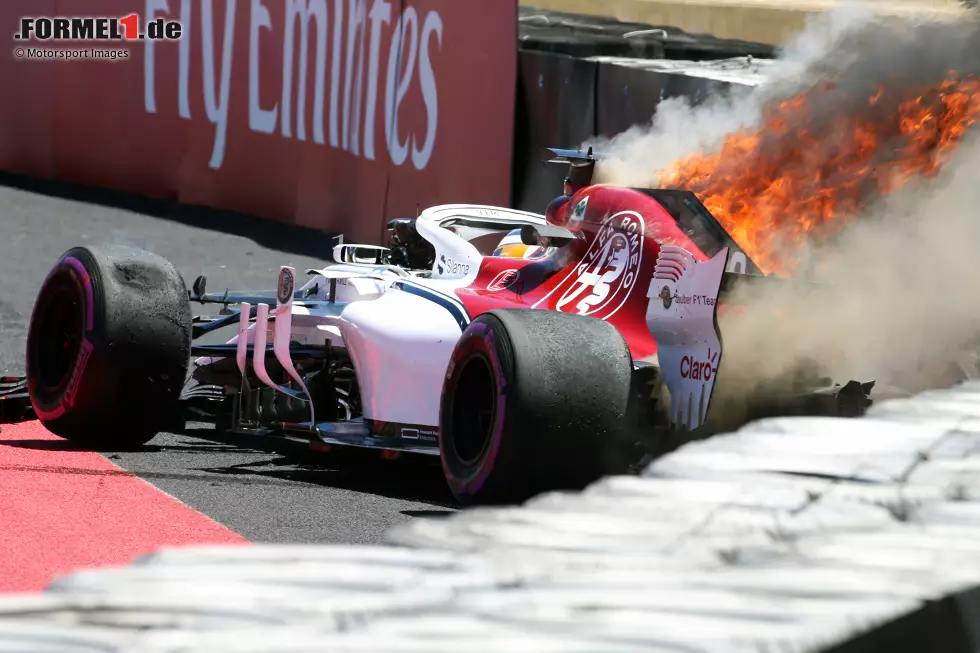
699,370
341,46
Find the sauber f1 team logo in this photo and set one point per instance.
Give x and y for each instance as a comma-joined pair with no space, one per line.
602,282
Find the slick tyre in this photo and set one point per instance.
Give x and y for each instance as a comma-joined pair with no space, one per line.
108,346
533,401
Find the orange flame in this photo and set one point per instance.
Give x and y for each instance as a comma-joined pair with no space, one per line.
795,180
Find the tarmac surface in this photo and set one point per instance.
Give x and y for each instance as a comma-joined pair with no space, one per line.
266,490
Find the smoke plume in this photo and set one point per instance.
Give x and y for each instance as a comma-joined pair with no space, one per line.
899,293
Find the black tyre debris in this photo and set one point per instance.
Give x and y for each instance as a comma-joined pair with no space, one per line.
13,410
109,346
533,401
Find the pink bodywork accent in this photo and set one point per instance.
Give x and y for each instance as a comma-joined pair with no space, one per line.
241,354
261,340
281,335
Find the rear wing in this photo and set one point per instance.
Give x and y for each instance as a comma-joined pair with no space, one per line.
701,226
681,316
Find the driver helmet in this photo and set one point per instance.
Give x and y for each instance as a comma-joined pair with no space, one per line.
512,246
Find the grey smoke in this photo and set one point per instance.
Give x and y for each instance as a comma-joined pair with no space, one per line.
122,239
635,156
901,302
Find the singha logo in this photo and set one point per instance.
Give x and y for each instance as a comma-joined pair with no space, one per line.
287,284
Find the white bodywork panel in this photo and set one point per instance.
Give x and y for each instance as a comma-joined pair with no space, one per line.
400,362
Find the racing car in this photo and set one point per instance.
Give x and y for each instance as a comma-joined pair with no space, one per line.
587,344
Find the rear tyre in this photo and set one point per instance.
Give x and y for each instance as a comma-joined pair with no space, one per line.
533,401
109,346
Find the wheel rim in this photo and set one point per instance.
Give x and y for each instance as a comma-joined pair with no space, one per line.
474,410
60,331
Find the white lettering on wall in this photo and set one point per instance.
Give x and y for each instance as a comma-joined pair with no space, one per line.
380,15
433,26
407,23
217,110
259,119
300,11
356,46
184,63
149,57
355,37
338,23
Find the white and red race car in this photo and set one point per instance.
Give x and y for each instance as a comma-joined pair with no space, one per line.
524,369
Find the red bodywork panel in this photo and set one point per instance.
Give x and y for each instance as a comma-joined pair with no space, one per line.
605,275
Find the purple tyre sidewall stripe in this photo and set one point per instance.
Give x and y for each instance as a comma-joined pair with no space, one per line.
85,349
483,333
87,288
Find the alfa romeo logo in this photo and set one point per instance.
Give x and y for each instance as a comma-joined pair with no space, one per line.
605,276
666,297
286,285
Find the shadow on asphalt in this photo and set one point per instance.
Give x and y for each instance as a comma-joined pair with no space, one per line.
42,445
411,478
267,233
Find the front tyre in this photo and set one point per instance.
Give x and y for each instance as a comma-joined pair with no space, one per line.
533,401
108,346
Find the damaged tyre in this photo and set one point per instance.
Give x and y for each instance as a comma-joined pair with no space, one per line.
108,346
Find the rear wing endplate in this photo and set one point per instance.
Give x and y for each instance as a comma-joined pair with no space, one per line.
681,316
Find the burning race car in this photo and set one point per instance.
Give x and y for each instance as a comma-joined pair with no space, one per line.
592,344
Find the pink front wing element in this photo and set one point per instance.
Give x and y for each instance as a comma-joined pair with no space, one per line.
241,349
63,510
283,329
260,344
